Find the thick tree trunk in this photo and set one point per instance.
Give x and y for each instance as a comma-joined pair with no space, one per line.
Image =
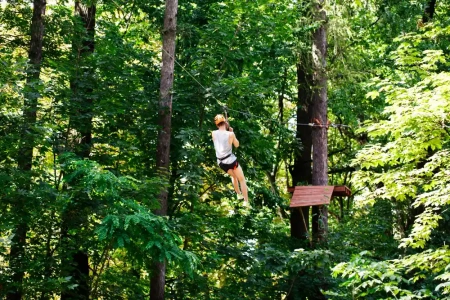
157,281
81,120
301,171
25,155
319,116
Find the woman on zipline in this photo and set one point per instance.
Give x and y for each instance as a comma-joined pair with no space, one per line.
223,141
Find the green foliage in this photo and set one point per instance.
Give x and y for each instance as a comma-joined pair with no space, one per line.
386,75
409,277
407,162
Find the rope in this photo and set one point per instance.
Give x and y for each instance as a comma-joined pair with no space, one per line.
192,76
226,116
304,222
287,122
225,108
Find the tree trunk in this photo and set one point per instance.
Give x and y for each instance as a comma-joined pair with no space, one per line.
157,281
301,171
429,10
272,175
319,116
82,82
25,155
81,120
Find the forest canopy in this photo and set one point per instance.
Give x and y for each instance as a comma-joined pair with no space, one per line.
109,183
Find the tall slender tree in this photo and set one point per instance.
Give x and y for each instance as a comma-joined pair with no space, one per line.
319,115
81,121
25,154
157,281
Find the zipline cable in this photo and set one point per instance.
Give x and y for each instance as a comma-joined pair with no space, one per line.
192,76
287,122
334,125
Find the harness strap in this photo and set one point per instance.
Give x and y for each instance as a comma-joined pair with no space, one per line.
225,157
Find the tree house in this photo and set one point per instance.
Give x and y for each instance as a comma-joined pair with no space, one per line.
316,195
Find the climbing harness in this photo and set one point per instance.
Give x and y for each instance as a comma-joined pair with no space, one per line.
223,158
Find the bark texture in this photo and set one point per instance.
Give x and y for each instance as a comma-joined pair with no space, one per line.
82,81
157,281
301,171
429,10
25,153
319,115
81,119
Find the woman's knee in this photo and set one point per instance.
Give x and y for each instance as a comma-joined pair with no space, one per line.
239,174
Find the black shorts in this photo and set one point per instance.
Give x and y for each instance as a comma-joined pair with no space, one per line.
231,166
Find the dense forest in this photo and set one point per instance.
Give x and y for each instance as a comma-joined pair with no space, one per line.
109,183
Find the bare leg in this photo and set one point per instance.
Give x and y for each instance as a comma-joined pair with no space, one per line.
235,181
239,174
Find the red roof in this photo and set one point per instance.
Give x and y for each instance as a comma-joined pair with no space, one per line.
317,195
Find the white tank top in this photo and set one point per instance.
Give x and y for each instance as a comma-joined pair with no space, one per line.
223,148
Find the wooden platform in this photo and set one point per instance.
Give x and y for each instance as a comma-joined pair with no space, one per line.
316,195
